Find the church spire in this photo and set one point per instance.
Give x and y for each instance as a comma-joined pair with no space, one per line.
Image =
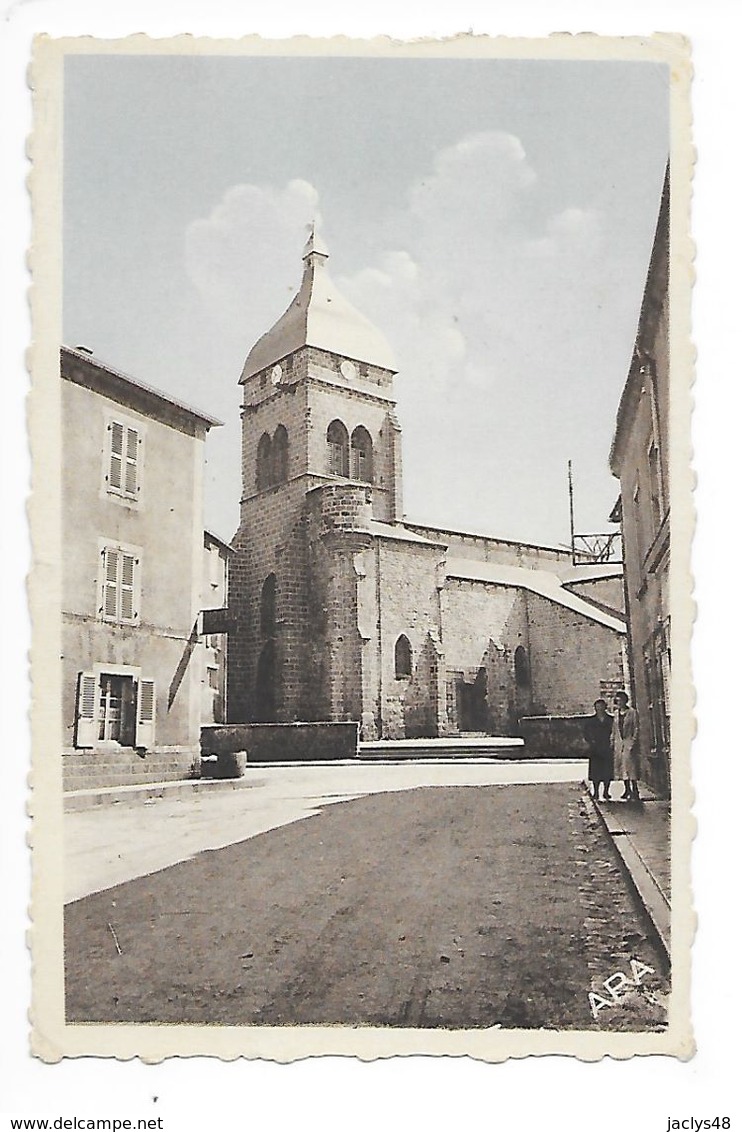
321,317
315,250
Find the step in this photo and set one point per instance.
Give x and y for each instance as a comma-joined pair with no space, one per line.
147,792
468,747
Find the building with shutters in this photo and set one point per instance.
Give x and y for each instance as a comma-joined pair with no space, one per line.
640,459
342,609
217,554
132,579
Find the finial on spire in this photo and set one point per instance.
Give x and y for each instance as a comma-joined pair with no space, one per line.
315,245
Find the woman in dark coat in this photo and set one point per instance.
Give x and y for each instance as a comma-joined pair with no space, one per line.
598,730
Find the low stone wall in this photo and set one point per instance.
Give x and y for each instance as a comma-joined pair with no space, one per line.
282,742
554,736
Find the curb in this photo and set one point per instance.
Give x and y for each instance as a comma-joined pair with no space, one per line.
75,801
646,888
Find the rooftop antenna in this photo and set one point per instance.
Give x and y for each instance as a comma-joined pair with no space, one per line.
571,511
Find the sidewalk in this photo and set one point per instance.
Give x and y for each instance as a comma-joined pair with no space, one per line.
640,832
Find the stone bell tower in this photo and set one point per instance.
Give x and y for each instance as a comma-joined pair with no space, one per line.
321,461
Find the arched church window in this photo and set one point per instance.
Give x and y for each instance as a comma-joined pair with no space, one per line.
402,657
280,455
337,449
268,607
522,668
361,455
263,469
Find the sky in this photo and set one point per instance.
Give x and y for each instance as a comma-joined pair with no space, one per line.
494,218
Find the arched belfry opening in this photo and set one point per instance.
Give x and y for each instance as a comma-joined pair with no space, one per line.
263,469
337,449
280,455
361,455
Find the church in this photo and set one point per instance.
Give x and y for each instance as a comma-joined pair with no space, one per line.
340,609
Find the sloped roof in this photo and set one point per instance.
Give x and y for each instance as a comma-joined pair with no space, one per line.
591,572
540,582
117,379
320,316
398,532
211,537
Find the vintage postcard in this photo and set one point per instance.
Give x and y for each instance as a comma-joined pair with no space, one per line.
361,521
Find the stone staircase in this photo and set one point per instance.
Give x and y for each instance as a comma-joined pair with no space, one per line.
122,766
474,745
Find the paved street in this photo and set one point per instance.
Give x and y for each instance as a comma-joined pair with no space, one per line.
371,898
112,844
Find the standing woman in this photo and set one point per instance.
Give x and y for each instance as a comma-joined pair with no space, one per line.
625,741
598,732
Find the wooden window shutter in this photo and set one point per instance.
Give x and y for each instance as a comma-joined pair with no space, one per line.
115,471
128,567
146,701
110,584
132,456
86,716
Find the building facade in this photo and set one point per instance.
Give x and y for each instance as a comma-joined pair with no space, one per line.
217,554
341,610
133,539
640,459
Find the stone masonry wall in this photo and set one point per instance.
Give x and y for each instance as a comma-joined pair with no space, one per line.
570,657
408,576
335,512
270,540
287,406
483,548
605,592
283,742
354,407
483,625
316,644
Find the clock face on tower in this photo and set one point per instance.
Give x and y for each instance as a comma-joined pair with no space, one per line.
348,369
276,374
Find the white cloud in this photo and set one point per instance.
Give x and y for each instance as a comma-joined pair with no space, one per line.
242,258
487,169
572,231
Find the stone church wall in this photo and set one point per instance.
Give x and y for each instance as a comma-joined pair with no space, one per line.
283,406
414,705
570,658
605,592
335,514
326,404
483,625
482,548
270,541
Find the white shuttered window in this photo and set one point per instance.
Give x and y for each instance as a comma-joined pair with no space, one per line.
120,584
86,722
115,707
146,714
124,459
